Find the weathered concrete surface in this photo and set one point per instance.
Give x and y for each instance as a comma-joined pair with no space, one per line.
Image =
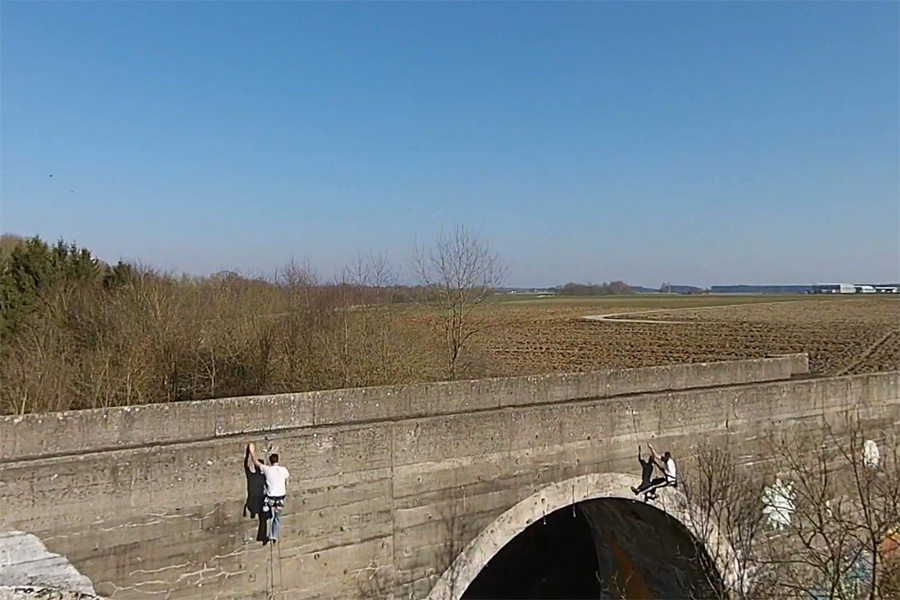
645,553
377,473
24,561
82,431
621,527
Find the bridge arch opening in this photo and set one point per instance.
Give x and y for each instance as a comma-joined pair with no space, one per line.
588,537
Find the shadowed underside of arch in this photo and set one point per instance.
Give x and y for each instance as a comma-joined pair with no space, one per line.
642,550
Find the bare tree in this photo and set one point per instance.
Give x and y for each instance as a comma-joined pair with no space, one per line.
371,344
812,516
846,506
458,273
725,506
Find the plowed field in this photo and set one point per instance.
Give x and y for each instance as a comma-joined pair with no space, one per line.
842,335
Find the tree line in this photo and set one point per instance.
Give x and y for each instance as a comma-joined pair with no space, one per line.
78,333
614,288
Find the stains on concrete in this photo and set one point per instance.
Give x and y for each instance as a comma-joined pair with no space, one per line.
136,505
645,552
653,543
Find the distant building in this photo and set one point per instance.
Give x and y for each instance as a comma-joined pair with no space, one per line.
853,288
834,288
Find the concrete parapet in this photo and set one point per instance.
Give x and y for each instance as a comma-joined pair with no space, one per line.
370,493
72,432
799,362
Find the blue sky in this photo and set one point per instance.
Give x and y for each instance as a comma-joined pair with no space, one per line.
692,142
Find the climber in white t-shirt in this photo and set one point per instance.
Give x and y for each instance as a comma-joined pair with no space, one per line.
666,464
276,489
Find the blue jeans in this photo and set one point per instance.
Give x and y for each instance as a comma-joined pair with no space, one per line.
276,507
275,524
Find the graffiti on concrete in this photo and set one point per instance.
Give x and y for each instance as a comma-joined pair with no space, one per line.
854,582
871,455
778,504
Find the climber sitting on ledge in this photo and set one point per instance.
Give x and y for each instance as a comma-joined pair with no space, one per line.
276,490
666,464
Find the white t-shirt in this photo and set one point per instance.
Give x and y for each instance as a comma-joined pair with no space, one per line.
276,477
670,470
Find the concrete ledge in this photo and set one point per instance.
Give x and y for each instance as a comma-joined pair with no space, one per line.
26,563
799,362
72,432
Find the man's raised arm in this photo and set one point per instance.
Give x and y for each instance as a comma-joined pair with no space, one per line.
653,456
248,458
252,450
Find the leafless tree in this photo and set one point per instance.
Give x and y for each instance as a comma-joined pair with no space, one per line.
458,273
726,510
842,508
846,507
371,342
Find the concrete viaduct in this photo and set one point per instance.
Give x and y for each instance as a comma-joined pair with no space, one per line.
397,492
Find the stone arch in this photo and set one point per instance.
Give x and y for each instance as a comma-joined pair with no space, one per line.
671,509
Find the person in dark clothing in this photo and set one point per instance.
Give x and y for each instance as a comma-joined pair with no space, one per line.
256,497
648,484
256,487
646,468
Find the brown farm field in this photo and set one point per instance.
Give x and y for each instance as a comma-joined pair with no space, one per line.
842,335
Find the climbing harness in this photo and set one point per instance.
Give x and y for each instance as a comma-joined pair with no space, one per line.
270,504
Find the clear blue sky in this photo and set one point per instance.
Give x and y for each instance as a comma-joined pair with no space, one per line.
692,142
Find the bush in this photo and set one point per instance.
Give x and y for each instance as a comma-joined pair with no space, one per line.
77,333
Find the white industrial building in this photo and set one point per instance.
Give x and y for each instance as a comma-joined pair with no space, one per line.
834,288
852,288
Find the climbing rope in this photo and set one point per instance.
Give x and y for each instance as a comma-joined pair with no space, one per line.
273,590
633,422
270,576
280,572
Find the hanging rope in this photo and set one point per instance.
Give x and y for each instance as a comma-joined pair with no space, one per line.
271,574
280,573
573,500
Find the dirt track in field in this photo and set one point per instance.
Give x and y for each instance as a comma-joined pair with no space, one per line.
624,317
841,336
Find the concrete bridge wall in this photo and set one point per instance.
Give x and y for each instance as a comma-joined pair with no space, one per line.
147,502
